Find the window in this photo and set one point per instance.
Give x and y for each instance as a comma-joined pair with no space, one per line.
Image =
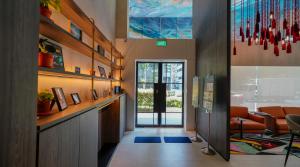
169,19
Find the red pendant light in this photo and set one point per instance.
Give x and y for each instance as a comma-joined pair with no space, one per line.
276,50
234,47
242,22
283,44
289,48
265,44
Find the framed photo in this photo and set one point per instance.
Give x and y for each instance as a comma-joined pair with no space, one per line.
77,70
76,98
208,93
60,98
102,72
75,31
100,50
56,51
95,95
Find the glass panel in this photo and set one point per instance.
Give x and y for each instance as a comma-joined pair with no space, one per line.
147,72
173,118
174,98
145,99
147,119
259,86
172,73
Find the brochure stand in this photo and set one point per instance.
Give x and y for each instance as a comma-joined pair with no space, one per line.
195,103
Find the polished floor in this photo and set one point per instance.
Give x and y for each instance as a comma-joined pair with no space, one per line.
129,154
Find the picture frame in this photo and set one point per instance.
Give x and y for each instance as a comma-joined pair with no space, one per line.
60,98
208,93
95,94
100,50
76,98
58,59
102,72
75,31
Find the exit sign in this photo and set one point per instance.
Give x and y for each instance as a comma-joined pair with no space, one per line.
161,43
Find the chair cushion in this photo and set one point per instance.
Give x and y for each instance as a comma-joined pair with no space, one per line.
247,125
236,111
292,110
275,111
281,124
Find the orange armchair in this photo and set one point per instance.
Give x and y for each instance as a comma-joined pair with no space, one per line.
251,123
275,117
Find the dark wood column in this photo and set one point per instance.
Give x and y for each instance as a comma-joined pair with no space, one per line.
211,28
19,29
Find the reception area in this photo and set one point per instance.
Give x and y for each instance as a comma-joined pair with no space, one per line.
144,83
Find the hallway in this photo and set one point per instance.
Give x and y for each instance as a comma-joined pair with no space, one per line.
129,154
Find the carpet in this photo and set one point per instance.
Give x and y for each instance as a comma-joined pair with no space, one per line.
147,140
267,145
177,140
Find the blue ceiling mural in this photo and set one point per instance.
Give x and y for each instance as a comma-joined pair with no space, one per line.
169,19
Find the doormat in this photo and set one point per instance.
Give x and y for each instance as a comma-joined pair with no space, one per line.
177,140
147,140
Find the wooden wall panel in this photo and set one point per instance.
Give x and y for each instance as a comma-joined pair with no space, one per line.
18,85
212,31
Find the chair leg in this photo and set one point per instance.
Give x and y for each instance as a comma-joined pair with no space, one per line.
289,149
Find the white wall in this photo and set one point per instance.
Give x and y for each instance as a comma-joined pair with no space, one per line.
104,14
138,49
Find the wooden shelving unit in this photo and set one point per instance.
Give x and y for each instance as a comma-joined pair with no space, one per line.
65,74
74,13
58,34
52,31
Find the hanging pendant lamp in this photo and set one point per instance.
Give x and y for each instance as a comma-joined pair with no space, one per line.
289,48
234,47
265,45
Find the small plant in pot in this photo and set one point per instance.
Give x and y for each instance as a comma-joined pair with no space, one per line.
45,58
44,102
45,6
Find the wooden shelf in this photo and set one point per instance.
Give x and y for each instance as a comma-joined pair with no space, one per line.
117,67
71,10
65,74
58,34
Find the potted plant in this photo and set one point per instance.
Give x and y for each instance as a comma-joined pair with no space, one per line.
44,102
45,58
45,7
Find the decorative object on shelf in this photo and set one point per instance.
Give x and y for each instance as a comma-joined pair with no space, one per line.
50,55
76,98
272,24
100,50
45,6
44,107
77,70
92,72
60,98
94,94
75,31
110,75
117,90
102,72
207,106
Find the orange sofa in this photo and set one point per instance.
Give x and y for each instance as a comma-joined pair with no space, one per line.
275,117
251,123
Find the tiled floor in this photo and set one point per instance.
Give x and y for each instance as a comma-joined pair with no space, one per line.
129,154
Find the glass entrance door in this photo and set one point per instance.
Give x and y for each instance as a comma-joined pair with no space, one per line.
159,94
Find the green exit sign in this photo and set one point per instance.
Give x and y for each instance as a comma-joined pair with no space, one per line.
161,43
